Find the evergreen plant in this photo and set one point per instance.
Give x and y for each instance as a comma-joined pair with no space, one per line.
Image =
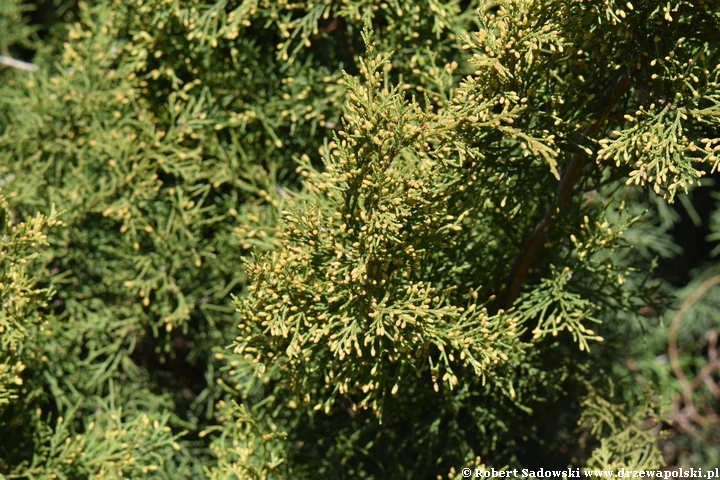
355,239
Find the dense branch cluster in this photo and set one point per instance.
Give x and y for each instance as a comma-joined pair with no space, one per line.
367,239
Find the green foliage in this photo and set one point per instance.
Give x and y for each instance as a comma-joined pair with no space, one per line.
14,29
356,278
626,432
245,449
715,229
21,323
427,232
110,445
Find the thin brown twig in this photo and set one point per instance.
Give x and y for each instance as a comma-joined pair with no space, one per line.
685,410
675,325
563,193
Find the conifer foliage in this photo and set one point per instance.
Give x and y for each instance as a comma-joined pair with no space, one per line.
352,239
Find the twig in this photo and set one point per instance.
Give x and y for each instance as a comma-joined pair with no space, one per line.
19,64
675,325
563,193
685,410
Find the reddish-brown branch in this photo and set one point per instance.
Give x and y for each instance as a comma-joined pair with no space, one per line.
563,194
685,414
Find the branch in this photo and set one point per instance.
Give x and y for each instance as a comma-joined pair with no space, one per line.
683,416
19,64
563,194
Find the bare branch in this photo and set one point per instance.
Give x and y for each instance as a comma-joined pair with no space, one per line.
19,64
563,193
685,411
